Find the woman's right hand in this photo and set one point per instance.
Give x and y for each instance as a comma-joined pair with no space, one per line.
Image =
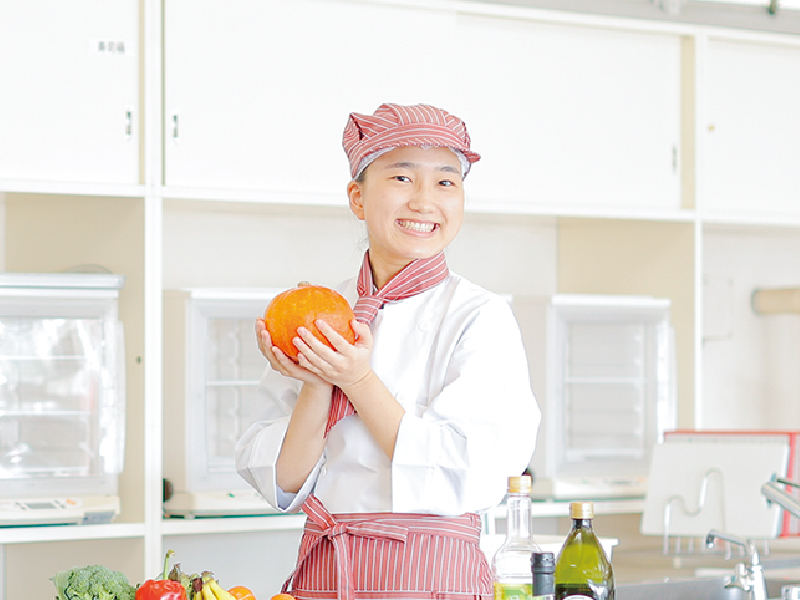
282,363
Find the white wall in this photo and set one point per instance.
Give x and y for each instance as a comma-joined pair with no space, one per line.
264,246
751,362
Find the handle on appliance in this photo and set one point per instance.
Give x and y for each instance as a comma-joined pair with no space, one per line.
128,123
175,130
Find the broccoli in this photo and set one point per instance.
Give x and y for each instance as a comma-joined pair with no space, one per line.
94,582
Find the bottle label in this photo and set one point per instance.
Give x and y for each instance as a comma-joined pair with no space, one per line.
506,591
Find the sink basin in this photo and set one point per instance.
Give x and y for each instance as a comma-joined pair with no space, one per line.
712,588
699,576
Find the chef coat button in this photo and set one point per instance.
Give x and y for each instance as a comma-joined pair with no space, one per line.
424,325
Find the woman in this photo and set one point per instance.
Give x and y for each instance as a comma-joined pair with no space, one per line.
393,444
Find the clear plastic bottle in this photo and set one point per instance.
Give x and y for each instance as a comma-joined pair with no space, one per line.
582,568
511,564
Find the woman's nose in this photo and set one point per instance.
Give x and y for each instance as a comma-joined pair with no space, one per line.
422,199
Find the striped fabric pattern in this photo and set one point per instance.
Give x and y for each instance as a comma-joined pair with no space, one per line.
395,125
385,555
417,276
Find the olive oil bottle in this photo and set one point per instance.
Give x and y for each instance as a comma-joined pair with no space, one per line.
582,568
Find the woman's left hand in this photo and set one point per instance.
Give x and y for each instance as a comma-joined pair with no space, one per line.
345,366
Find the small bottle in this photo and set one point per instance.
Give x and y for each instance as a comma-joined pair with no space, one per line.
511,564
543,567
582,569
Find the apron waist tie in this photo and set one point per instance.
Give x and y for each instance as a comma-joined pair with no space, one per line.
322,525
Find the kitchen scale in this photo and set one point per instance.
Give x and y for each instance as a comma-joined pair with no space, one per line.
236,503
87,510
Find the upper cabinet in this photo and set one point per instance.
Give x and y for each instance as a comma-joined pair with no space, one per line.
571,116
257,95
753,128
69,106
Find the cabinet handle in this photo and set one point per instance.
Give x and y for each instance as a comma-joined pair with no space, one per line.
174,127
128,123
674,159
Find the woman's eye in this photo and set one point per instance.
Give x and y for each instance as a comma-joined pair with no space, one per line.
446,183
402,178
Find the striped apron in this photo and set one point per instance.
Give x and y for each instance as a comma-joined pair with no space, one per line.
392,556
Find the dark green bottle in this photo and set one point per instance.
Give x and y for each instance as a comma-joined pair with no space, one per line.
582,569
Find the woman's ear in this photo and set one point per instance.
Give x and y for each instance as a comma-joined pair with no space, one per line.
356,200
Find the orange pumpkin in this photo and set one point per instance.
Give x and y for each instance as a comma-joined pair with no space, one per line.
241,593
301,307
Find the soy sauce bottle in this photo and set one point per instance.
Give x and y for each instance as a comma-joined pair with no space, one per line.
582,569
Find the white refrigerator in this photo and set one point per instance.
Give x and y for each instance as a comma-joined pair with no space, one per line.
62,398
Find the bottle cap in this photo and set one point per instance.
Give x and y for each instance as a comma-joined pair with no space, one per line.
581,510
543,562
520,485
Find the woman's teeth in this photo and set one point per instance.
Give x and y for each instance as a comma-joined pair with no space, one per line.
421,227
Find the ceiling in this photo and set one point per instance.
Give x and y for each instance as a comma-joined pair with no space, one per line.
734,13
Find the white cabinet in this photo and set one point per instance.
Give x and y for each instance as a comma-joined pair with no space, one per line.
257,93
603,370
563,115
571,116
69,107
212,367
753,128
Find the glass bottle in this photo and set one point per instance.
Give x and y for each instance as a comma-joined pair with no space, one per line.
543,567
582,569
511,564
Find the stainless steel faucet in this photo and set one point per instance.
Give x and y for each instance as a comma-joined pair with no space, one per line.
747,577
773,492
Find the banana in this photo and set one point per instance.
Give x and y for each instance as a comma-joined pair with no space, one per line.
220,593
207,593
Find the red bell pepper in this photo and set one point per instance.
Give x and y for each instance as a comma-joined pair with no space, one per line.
161,589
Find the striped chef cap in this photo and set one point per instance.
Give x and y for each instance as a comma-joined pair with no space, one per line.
391,126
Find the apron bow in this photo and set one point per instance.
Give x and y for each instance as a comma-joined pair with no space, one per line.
338,533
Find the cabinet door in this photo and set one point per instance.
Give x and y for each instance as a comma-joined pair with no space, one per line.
753,132
70,86
258,92
568,115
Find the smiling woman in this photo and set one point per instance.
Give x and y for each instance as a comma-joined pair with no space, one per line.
392,444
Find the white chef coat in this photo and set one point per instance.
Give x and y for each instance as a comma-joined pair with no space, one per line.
453,357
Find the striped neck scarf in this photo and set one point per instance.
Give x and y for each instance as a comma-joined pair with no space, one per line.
416,277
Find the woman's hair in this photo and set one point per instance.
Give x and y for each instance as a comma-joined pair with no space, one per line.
367,161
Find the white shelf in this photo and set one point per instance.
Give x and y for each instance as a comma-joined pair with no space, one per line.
71,189
275,522
49,533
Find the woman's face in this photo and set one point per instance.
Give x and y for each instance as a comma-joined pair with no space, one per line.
412,201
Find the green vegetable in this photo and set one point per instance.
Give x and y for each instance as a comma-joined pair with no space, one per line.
94,582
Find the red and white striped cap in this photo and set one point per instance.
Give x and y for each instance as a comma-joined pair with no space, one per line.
394,125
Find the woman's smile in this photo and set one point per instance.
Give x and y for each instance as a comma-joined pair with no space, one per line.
417,226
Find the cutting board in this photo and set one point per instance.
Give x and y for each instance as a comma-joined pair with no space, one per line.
733,501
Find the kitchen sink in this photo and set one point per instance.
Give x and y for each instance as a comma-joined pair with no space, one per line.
681,589
702,588
712,588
